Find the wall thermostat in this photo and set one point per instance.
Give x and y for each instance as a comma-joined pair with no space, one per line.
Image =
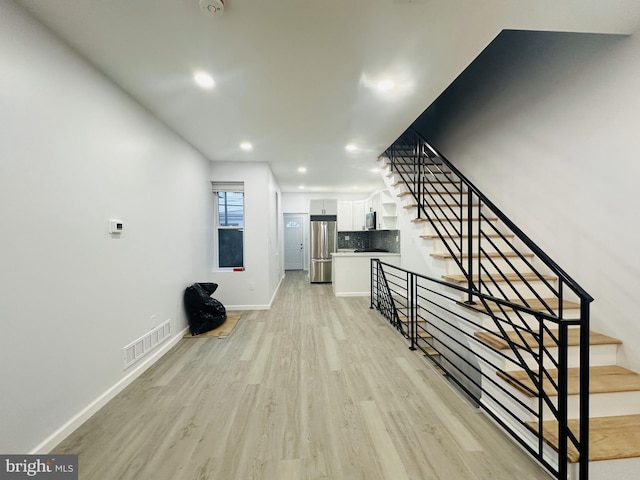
115,226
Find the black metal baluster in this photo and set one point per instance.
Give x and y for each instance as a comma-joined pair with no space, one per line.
372,280
411,284
540,387
469,242
563,428
584,389
418,176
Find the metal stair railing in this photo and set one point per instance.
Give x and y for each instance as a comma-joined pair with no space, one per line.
420,308
509,281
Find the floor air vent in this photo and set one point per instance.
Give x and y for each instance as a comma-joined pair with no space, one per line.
146,343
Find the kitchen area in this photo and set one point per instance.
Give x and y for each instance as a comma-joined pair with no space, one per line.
345,235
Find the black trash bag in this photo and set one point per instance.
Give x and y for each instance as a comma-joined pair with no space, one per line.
203,312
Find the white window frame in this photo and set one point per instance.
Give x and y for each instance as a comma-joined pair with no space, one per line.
226,187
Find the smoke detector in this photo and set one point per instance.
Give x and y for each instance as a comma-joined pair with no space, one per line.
212,7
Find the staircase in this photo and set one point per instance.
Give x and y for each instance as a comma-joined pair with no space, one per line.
524,319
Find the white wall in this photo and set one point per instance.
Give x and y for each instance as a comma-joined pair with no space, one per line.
549,131
255,287
74,152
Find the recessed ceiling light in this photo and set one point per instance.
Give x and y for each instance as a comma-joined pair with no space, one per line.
302,169
375,170
301,187
385,85
355,187
204,80
351,148
246,146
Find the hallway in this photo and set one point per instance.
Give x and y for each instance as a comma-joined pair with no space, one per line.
316,387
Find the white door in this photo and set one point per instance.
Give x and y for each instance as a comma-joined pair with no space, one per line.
293,241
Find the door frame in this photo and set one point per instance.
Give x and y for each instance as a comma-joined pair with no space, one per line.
305,236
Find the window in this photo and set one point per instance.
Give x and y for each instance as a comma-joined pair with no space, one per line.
229,199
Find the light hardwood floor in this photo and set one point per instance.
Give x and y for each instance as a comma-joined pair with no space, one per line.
316,387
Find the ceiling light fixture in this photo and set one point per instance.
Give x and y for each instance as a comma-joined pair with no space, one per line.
351,148
204,80
301,187
385,85
302,169
246,146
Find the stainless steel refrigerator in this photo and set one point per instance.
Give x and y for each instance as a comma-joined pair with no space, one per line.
324,240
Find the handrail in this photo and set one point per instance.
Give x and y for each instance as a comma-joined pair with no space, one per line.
480,295
512,226
500,276
426,309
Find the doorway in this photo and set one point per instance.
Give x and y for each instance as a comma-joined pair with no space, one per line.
294,241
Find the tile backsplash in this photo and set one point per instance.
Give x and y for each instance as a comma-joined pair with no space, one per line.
387,239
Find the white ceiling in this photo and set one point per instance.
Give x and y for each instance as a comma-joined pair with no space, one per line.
297,78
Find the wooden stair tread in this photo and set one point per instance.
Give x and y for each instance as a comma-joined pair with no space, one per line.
395,173
443,205
424,335
535,304
433,236
442,219
602,379
447,255
529,303
402,194
573,339
511,277
414,182
430,351
411,171
405,319
429,169
448,220
444,192
412,163
610,438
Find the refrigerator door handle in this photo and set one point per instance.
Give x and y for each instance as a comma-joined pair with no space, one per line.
325,238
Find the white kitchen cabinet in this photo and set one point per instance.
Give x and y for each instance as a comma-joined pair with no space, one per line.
345,216
351,215
323,207
358,209
330,207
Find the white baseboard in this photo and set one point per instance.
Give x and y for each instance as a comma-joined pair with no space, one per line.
257,307
352,294
231,308
70,426
275,292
